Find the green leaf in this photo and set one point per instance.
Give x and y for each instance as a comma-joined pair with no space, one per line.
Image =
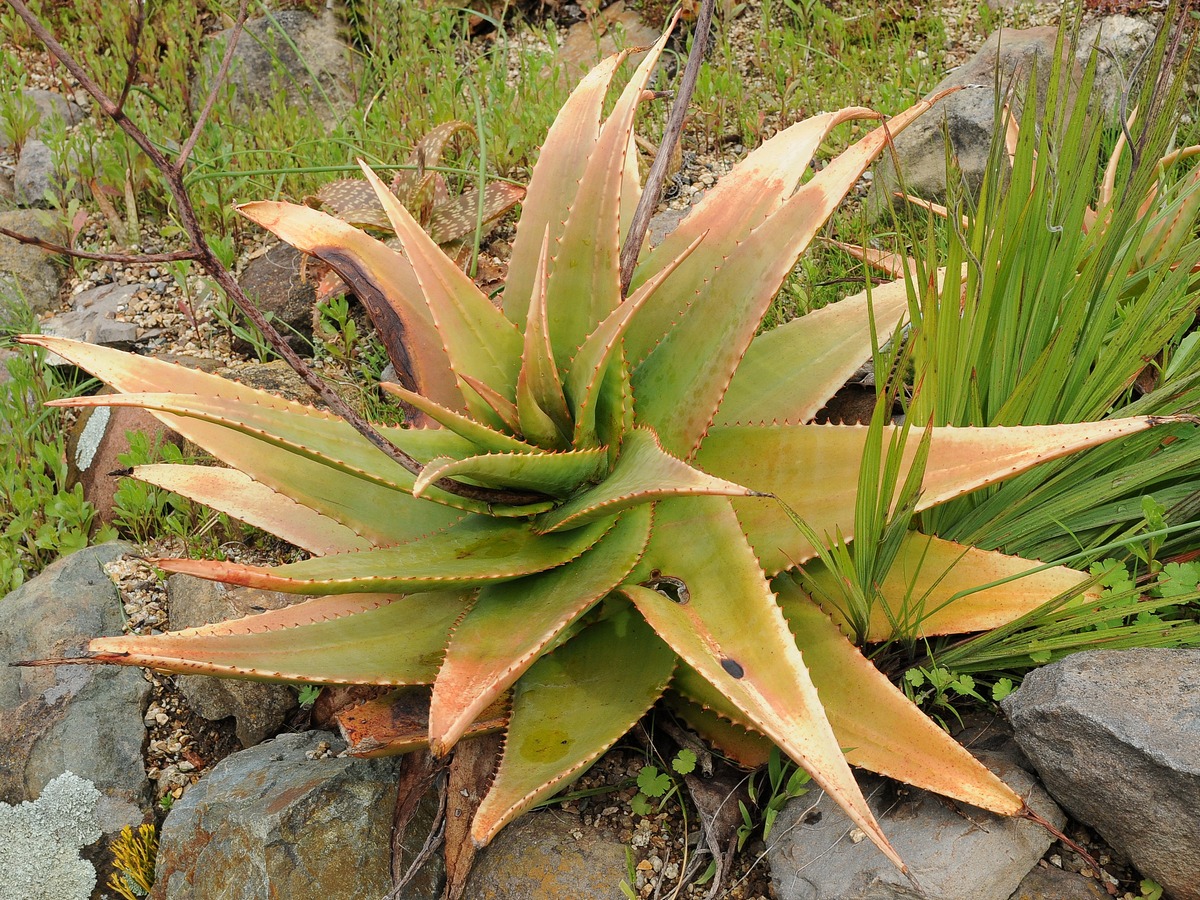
814,469
334,640
723,621
531,613
556,474
475,552
644,472
569,708
684,762
653,783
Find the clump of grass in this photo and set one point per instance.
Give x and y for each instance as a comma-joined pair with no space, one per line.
41,518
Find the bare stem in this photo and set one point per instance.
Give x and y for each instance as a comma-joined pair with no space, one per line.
140,259
218,80
173,177
658,169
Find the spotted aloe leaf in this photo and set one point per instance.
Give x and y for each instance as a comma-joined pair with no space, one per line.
650,549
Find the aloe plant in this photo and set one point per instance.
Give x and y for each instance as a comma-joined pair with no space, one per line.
600,512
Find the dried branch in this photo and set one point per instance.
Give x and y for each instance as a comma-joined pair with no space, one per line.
135,52
140,259
658,169
218,80
224,278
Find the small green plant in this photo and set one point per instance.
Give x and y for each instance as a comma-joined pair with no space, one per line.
133,862
307,694
19,115
769,793
661,786
1150,889
937,687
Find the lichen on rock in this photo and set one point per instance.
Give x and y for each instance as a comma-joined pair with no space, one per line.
39,858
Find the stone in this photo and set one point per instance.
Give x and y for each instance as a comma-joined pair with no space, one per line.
272,822
264,62
547,855
93,318
276,377
39,856
275,284
1115,736
663,223
1050,883
968,115
953,851
26,272
53,106
82,719
96,443
611,29
260,709
37,175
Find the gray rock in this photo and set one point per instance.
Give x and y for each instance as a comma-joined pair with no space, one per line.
274,283
52,109
25,271
82,719
260,709
36,175
265,61
1049,883
546,856
270,822
954,852
663,223
968,116
93,318
1115,736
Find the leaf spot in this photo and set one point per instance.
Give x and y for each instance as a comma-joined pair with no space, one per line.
733,667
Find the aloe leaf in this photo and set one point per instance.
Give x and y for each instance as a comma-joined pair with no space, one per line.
569,708
375,510
933,587
479,341
490,403
306,432
556,474
823,349
382,279
584,274
884,731
614,407
814,470
456,217
541,406
474,552
743,745
682,381
398,722
240,496
426,153
555,178
739,202
358,639
644,472
720,616
591,362
487,439
530,613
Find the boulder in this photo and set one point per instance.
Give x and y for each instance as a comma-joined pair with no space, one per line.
82,719
547,855
1115,736
260,709
1050,883
275,284
93,317
282,819
953,851
51,108
968,116
26,271
276,376
37,175
265,62
613,28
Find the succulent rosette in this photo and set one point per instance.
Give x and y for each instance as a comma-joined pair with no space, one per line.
600,514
